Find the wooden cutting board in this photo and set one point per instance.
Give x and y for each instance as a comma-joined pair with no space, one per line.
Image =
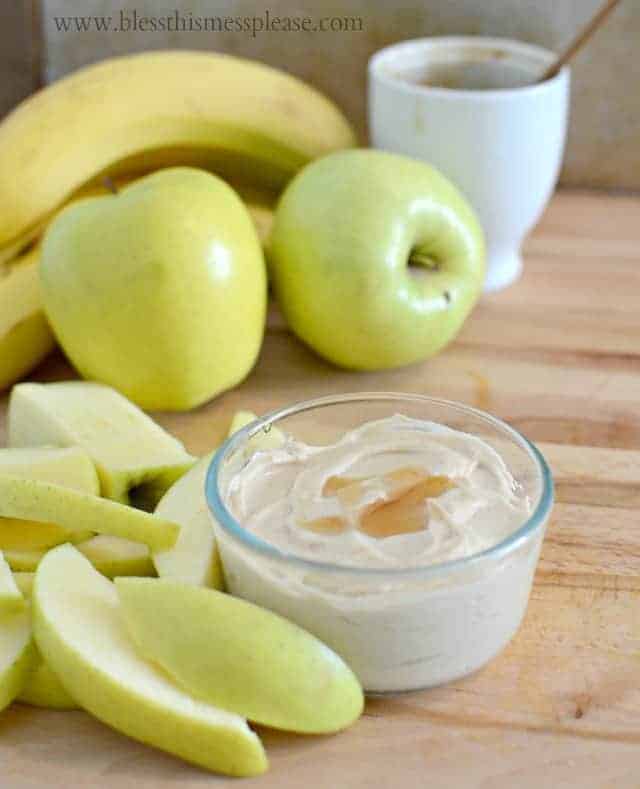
558,356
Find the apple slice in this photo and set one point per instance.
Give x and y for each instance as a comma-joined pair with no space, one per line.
135,457
70,467
24,561
79,630
11,599
238,656
32,500
270,438
41,687
24,582
114,556
194,558
111,556
17,654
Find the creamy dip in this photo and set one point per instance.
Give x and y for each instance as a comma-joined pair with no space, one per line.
397,492
391,496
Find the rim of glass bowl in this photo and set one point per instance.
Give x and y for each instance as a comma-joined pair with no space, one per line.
237,532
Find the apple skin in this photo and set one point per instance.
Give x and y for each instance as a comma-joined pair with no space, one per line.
343,234
159,290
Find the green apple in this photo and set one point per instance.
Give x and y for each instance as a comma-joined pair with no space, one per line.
267,438
40,687
194,558
239,420
11,599
80,632
17,654
113,556
32,500
133,455
159,290
25,561
240,657
70,467
376,259
43,689
24,582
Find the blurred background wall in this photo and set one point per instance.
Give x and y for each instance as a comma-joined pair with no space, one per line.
604,144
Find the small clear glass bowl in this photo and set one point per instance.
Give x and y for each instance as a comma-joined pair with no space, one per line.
399,629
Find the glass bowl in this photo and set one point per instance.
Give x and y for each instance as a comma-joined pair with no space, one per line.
399,629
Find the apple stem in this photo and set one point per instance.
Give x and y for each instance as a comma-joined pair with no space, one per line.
421,259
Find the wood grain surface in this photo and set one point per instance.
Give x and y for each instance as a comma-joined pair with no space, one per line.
558,356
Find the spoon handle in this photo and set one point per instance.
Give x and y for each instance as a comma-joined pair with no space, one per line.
582,37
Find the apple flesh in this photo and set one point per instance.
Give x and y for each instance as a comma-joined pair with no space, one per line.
240,657
167,279
376,259
114,556
43,689
70,467
17,655
130,451
79,630
24,561
194,558
11,599
32,500
24,582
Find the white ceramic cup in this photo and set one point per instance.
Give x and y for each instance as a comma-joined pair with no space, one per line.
503,147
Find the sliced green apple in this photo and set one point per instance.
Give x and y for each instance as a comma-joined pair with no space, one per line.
241,419
11,599
114,556
240,657
32,500
17,655
26,536
43,689
24,561
111,556
194,558
136,459
24,582
269,438
70,467
79,630
17,651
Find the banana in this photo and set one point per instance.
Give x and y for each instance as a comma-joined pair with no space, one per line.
137,113
25,336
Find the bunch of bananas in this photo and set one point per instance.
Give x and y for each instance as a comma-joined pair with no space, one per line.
125,117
